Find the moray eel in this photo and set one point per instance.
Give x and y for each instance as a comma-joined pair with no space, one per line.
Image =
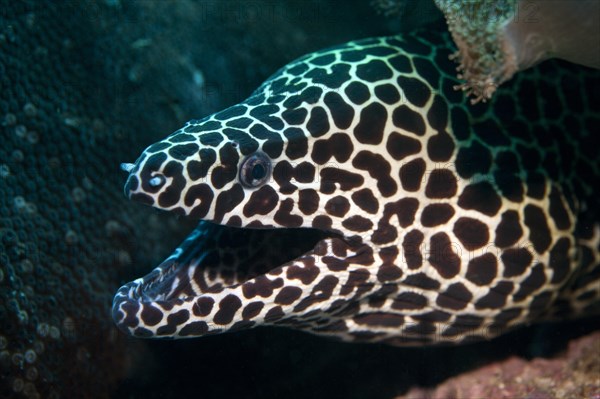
357,195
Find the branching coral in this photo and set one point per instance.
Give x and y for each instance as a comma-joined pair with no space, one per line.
497,38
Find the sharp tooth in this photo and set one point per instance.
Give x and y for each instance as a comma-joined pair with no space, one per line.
126,167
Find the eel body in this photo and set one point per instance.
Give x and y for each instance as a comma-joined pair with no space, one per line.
357,195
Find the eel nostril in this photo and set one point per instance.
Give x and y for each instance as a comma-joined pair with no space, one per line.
127,167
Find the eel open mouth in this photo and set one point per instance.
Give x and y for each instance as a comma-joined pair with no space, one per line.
213,262
215,257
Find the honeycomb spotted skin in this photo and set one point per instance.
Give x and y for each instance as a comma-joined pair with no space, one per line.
384,207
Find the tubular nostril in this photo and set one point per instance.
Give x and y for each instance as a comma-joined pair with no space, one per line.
127,167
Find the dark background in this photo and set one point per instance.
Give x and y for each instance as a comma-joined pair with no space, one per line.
106,78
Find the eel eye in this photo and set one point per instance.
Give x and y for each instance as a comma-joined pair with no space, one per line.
255,170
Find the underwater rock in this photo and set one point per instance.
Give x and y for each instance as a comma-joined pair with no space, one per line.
572,374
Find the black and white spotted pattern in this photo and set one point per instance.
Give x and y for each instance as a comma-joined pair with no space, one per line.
355,194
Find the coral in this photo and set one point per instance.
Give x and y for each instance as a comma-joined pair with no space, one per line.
57,190
573,374
497,38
